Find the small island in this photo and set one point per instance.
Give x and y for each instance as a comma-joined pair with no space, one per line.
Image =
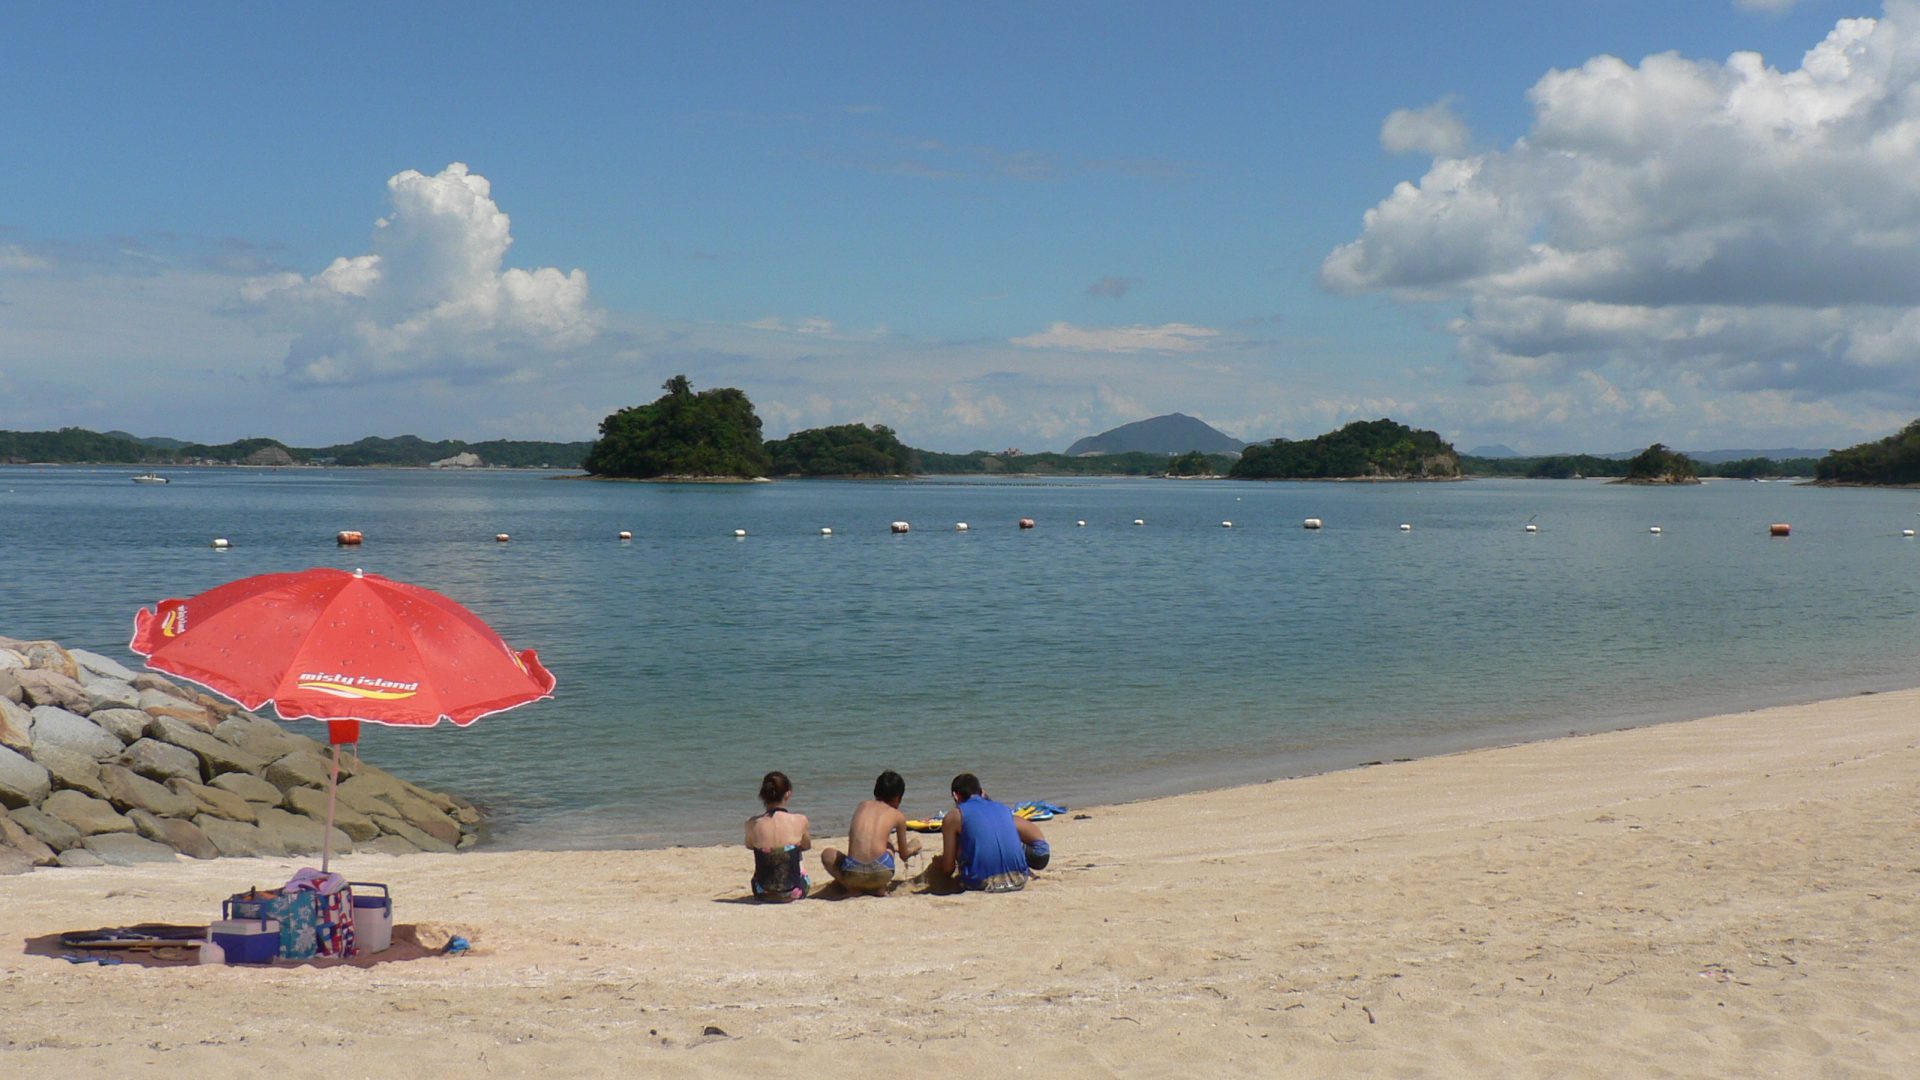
844,450
1890,462
1363,450
713,435
1659,465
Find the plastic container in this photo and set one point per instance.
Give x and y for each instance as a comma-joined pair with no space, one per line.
372,916
246,941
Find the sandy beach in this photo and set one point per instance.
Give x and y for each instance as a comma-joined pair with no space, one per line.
1732,896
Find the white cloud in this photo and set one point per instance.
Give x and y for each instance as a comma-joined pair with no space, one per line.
1433,129
1746,228
431,298
16,259
1167,337
1772,7
813,325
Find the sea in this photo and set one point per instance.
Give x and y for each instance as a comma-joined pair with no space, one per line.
1131,644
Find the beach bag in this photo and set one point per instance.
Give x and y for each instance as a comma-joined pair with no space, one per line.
312,924
333,924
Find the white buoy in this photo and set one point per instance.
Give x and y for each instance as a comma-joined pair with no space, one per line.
220,542
625,535
1139,521
901,526
1654,529
1906,532
501,538
1404,527
739,532
958,526
1226,524
1026,523
1533,528
826,532
1311,523
1080,524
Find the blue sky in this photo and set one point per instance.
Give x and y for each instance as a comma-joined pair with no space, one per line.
986,225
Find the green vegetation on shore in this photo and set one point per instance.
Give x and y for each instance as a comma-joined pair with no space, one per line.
78,445
714,433
843,450
1889,461
1659,465
1568,466
1362,450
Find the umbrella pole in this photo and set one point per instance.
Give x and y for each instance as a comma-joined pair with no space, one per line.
333,790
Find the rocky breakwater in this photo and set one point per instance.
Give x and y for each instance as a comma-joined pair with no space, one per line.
100,764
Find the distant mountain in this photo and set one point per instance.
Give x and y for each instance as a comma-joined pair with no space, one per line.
147,440
1174,433
1720,457
1494,450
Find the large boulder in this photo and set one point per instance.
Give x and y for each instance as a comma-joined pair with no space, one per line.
313,803
108,694
407,802
237,839
386,845
78,856
148,680
155,703
70,731
22,782
127,725
46,828
71,770
219,803
86,813
48,656
14,862
261,738
249,787
52,688
16,726
10,686
125,849
299,834
182,836
218,756
101,666
11,660
14,835
395,827
299,769
160,761
131,791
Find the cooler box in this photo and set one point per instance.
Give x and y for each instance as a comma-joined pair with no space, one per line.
372,916
246,941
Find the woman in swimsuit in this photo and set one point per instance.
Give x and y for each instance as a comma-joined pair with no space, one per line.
778,837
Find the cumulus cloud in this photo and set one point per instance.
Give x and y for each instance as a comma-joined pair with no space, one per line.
1167,337
432,296
1431,129
16,259
1748,228
1112,287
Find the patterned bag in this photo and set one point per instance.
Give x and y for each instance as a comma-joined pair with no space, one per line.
334,924
298,915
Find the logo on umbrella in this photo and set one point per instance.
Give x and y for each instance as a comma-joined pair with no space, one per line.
175,622
362,687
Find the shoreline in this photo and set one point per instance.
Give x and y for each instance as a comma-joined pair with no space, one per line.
1734,892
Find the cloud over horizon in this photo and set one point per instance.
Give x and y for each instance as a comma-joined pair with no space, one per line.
431,298
1682,227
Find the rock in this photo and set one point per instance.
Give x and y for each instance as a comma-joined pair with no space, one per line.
156,703
46,828
70,770
407,805
52,688
299,834
10,686
125,850
248,787
48,656
299,769
79,856
394,826
219,803
101,666
69,731
238,839
160,761
262,738
313,803
108,694
386,845
182,836
86,813
14,862
132,791
148,680
127,725
218,756
10,660
16,723
22,782
14,835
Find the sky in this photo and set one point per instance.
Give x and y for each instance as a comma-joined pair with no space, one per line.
1573,225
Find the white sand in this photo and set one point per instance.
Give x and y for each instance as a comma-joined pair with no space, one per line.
1728,897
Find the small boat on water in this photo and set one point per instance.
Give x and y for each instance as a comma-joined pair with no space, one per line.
150,478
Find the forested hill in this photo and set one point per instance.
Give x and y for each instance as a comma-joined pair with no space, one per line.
1890,461
80,446
1363,450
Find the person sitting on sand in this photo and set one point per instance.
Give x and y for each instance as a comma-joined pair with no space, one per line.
878,830
778,837
983,845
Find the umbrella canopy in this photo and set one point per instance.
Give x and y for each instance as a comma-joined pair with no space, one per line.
325,644
328,644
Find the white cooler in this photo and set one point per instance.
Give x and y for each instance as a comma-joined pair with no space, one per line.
372,916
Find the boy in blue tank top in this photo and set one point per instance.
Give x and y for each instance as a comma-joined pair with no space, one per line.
983,845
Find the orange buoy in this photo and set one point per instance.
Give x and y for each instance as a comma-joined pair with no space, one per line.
1779,528
501,537
625,535
349,537
1026,523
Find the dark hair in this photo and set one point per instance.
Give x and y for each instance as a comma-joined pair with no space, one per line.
966,785
889,787
774,787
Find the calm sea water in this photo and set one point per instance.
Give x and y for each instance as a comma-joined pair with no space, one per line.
1074,664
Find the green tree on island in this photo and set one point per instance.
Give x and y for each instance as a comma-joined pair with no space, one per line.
711,433
1363,450
1892,460
1191,463
843,450
1659,465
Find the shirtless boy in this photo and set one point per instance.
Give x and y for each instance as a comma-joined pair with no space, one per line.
878,831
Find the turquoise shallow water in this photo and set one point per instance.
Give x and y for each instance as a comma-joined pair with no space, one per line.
1075,664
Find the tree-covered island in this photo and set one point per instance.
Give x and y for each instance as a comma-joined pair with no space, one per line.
853,450
711,435
1659,465
1362,450
1890,462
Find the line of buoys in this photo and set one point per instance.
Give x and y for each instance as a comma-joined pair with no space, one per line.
1311,523
1780,528
901,527
1026,523
348,537
220,543
501,538
625,535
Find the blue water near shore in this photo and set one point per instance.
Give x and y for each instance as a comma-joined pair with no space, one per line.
1076,664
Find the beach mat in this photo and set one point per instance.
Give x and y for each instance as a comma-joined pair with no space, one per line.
153,950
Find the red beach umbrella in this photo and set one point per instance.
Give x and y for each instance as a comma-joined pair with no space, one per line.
328,644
